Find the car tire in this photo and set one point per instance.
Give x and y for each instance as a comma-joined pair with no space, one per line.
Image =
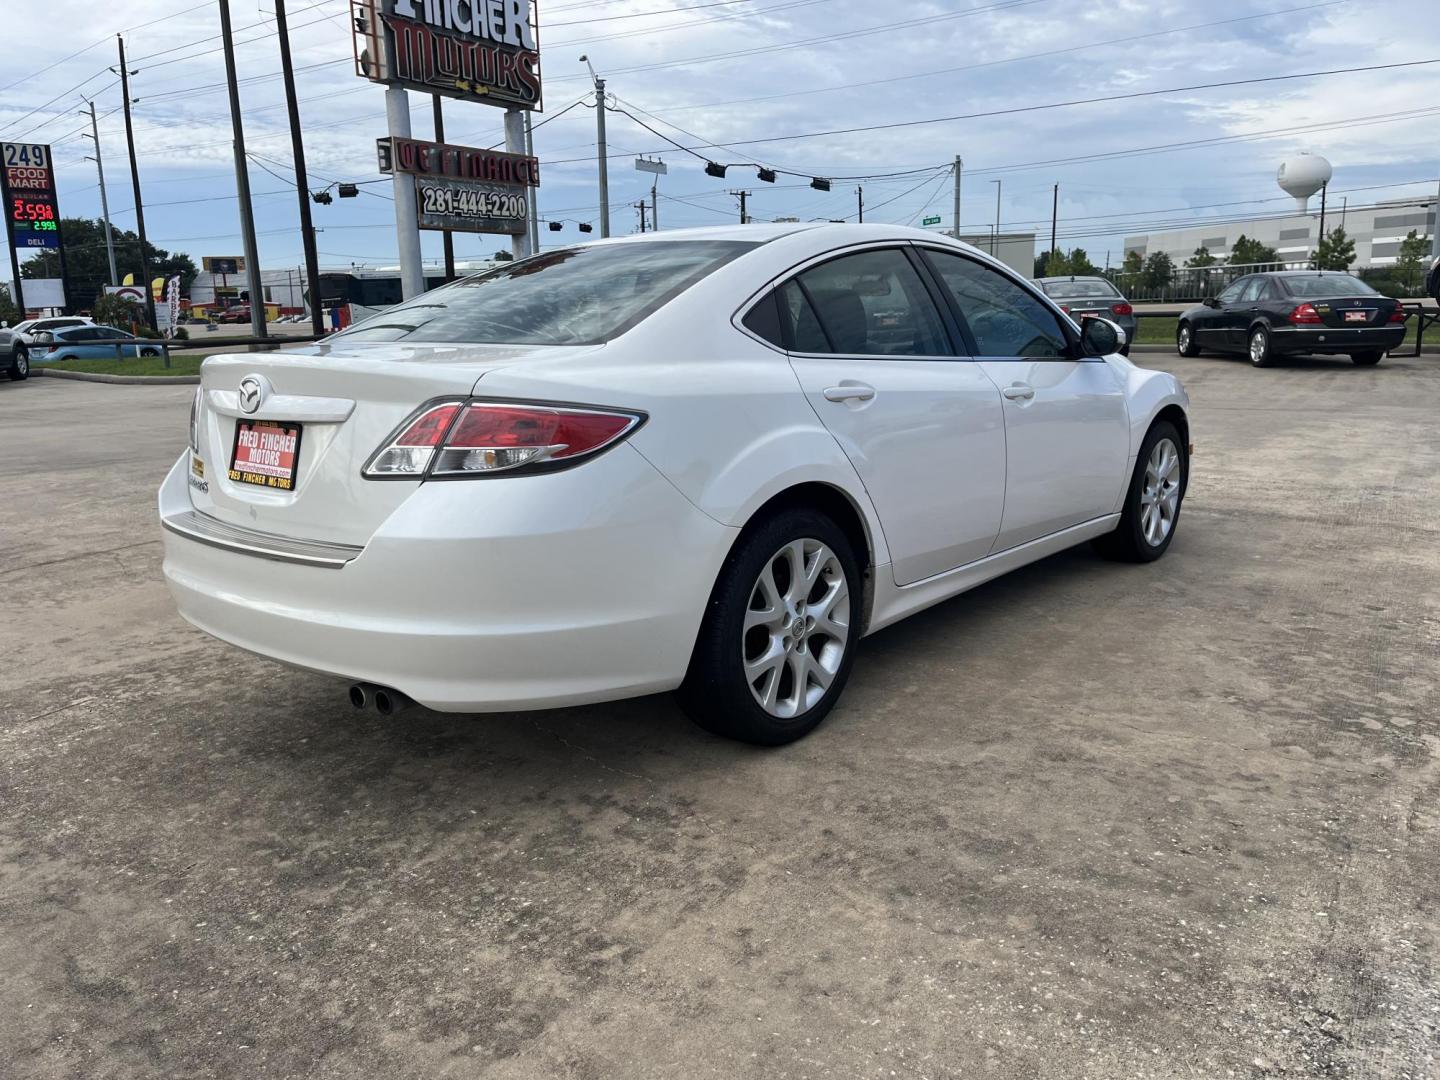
754,678
1185,340
1257,346
1153,500
1367,359
149,352
20,366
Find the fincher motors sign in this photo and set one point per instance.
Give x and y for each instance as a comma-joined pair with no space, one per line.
476,50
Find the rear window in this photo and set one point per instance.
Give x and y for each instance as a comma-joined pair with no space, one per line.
574,296
1318,288
1079,290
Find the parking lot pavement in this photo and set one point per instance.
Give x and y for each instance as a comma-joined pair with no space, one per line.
1089,820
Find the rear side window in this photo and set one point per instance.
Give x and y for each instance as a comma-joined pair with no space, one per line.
803,332
1004,319
763,320
573,296
873,303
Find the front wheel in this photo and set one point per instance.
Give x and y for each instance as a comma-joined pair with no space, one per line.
779,635
20,366
1260,346
1152,504
1185,340
1367,359
149,352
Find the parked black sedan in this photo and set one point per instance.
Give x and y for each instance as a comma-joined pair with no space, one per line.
1294,312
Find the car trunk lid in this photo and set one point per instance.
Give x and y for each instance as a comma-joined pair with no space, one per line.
336,404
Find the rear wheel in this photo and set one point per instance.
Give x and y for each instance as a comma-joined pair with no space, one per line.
1260,346
20,366
149,352
779,635
1185,340
1367,359
1152,504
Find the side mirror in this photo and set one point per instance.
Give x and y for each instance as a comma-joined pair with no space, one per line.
1210,301
1100,337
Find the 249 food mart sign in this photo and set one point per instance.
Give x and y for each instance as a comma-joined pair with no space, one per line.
464,188
485,51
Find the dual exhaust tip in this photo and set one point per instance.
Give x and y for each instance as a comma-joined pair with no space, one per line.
387,702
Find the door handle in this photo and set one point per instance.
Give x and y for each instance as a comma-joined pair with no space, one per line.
849,393
1019,392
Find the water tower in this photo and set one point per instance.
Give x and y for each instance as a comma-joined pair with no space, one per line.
1302,176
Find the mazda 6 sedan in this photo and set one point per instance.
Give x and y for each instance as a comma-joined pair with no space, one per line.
705,460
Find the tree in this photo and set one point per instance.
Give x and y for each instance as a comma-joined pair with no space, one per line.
121,312
9,313
1134,262
1159,270
1202,257
88,267
1336,251
1245,252
1410,259
1080,264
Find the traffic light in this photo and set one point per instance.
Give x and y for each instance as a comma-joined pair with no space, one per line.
819,184
767,175
714,169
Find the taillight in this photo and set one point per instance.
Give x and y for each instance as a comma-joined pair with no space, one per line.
195,420
1121,308
1399,315
1305,313
481,438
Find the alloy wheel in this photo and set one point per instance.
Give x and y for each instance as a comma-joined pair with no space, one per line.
797,628
1258,347
22,363
1184,339
1160,493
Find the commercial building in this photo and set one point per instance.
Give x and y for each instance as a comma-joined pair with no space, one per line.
1376,230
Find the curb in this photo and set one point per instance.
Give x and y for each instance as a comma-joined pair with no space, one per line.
131,380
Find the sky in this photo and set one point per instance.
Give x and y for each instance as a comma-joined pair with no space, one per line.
749,75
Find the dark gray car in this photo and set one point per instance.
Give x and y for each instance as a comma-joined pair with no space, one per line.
1081,296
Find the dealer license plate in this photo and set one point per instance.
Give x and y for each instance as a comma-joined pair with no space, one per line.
1357,316
266,454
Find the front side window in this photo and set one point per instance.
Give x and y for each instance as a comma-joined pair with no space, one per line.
1004,319
873,303
1253,288
1328,287
1232,294
573,296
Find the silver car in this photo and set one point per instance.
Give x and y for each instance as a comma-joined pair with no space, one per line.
14,355
1081,296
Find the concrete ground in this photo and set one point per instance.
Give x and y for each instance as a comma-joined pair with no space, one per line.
1090,820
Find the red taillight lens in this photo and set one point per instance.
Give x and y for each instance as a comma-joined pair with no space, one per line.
1121,308
479,438
1399,315
1305,313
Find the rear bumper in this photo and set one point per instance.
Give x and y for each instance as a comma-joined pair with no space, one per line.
488,595
1331,339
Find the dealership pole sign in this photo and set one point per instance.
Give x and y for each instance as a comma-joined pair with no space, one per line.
464,188
485,51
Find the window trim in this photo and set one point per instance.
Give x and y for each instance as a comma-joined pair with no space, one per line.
794,271
1068,329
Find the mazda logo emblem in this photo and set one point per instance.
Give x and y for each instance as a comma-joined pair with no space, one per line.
252,392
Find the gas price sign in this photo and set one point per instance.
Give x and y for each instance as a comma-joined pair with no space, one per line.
27,183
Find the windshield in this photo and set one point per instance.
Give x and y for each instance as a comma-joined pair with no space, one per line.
1313,288
1079,290
573,296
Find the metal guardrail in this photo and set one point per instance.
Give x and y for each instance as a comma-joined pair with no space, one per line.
166,346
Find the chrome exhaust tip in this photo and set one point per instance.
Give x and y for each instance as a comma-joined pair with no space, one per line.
359,696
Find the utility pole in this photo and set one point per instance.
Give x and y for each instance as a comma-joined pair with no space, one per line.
995,236
515,144
1054,214
959,165
860,205
641,207
104,201
242,180
742,196
1323,189
302,181
600,147
533,217
654,204
407,224
447,238
1435,229
135,185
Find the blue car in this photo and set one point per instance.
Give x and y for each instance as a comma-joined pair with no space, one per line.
75,343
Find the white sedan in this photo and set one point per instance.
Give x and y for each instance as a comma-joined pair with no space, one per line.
708,460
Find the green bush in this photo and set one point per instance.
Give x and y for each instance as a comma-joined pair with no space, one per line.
145,332
181,334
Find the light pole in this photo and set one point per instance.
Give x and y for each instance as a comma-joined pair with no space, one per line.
104,201
600,146
995,241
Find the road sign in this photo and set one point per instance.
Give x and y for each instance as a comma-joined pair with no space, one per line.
933,219
659,168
